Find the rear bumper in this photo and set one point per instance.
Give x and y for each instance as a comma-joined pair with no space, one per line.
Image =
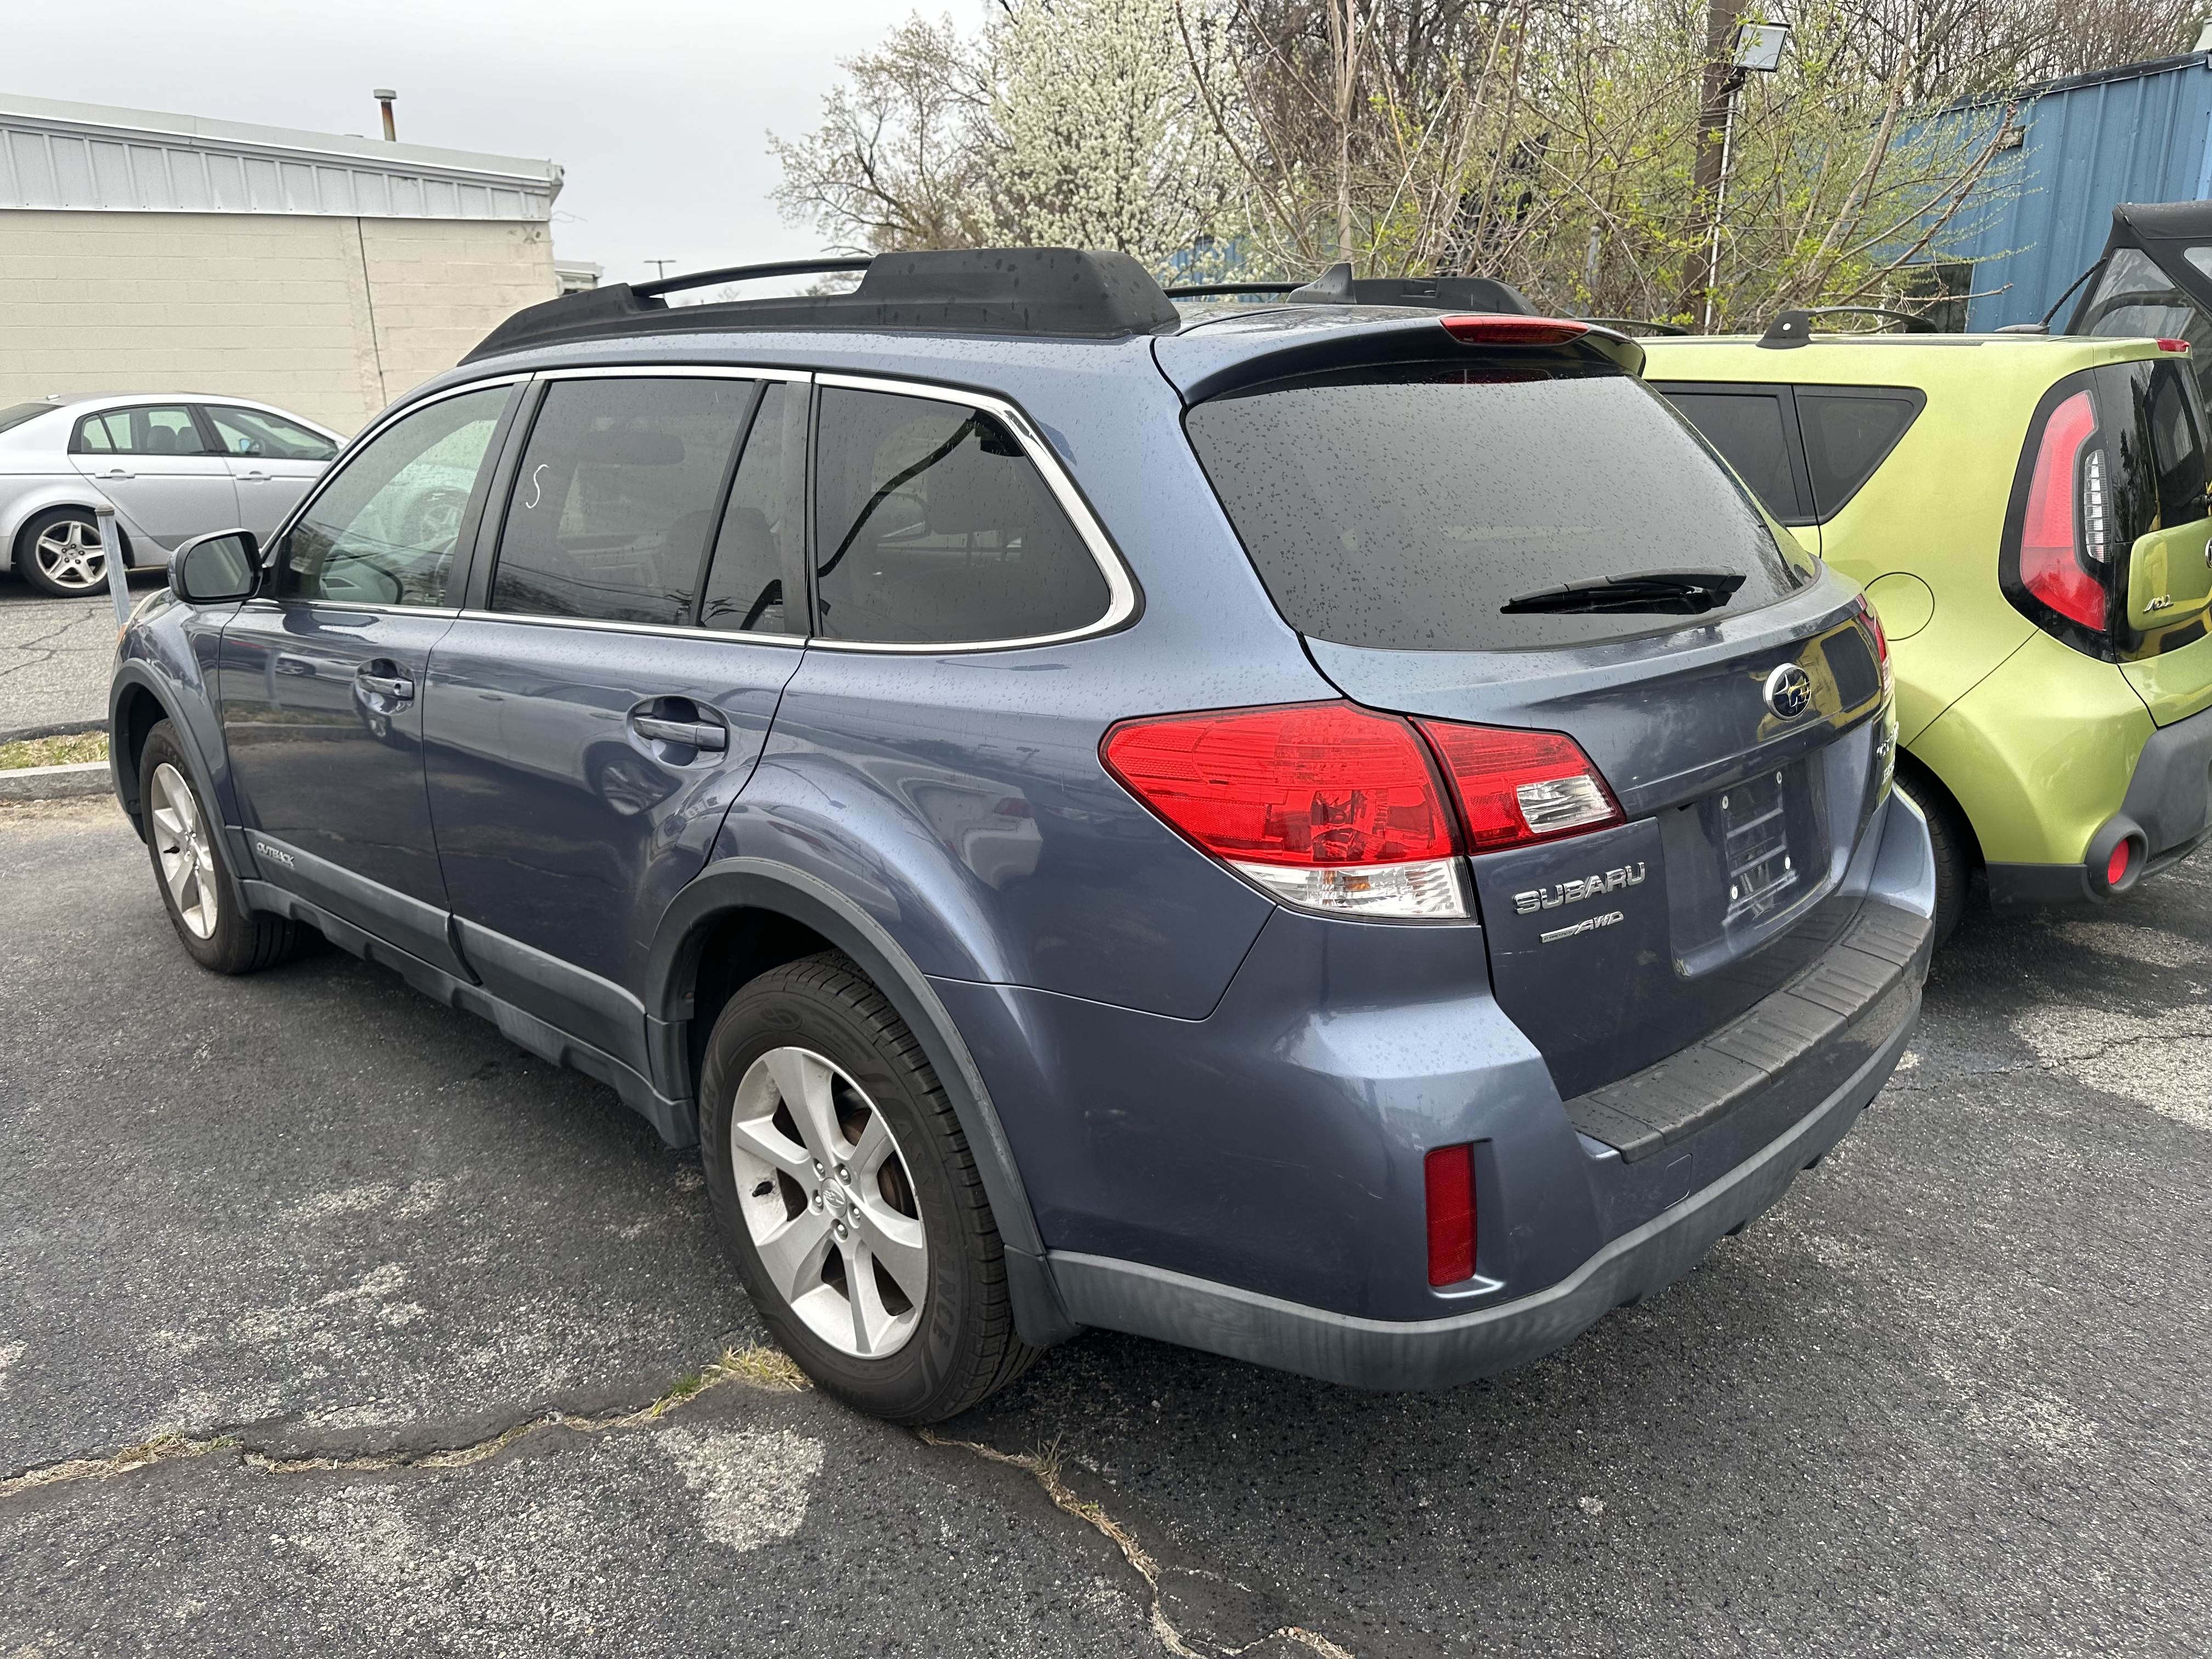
1375,1353
2168,810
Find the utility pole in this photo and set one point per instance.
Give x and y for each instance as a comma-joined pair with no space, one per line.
1715,106
659,267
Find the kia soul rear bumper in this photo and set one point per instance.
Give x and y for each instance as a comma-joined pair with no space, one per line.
1250,1183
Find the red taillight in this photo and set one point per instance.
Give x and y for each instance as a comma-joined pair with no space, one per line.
2062,523
1515,787
2165,344
1327,806
1872,618
1448,1175
1493,328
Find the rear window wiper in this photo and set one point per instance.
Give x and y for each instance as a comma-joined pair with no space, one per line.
1683,592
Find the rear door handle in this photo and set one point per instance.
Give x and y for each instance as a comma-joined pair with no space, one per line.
386,685
703,735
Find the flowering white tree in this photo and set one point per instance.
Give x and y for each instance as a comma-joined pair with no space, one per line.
1102,140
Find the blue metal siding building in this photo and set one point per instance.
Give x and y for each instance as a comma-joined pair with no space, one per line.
2139,133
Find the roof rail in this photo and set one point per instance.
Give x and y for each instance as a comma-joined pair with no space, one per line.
1075,293
747,273
1795,328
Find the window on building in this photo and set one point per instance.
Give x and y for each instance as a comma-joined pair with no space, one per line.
933,527
614,499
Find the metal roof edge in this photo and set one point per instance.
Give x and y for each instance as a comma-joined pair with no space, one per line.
240,137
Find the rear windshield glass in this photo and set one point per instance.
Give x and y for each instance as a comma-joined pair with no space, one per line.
16,414
1400,508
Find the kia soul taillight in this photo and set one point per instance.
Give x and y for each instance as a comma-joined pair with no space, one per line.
1336,808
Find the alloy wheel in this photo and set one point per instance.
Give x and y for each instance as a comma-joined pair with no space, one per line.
181,843
829,1202
69,555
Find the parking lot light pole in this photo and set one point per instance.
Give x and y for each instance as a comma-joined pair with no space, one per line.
1758,47
111,549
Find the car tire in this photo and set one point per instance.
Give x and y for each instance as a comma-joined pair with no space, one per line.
193,870
1953,845
849,1199
57,553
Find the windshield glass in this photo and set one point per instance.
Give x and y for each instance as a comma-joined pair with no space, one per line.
1403,508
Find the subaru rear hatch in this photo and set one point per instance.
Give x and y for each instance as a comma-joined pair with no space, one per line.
1490,530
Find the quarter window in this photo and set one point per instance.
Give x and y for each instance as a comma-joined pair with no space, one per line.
1750,429
1847,435
758,584
2177,446
385,529
614,499
932,526
271,437
165,430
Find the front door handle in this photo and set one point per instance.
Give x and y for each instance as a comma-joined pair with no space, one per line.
703,735
400,689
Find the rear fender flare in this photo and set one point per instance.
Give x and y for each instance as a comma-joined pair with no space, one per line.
754,884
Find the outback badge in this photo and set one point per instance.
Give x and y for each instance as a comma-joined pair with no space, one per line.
1789,691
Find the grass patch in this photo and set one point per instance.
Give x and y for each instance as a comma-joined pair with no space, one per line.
54,751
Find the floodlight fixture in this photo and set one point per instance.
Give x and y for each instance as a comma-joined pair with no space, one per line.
1758,45
2204,39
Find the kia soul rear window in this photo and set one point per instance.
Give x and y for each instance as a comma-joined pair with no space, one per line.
1435,508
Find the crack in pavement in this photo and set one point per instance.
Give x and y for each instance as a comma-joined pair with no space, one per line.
761,1367
1044,1468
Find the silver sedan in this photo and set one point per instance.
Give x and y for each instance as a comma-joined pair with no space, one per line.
173,466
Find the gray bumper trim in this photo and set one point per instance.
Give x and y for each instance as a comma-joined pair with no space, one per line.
1378,1353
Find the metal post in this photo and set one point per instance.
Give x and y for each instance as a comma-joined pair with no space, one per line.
1720,196
110,548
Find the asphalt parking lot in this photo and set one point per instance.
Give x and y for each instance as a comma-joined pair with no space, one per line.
286,1263
55,656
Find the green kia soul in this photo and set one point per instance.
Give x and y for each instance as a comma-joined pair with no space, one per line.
2028,516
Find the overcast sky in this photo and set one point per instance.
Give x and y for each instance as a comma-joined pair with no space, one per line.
658,109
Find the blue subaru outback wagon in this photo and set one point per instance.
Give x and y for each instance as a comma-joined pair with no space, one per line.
1333,832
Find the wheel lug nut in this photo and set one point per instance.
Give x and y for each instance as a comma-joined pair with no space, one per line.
841,1229
818,1170
845,1174
817,1200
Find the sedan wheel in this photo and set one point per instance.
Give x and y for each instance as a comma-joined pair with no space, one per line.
180,844
828,1203
67,556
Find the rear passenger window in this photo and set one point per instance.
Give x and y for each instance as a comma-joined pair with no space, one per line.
167,429
757,583
1751,430
933,527
1848,434
614,499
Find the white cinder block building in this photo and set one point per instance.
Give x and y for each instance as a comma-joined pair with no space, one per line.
149,253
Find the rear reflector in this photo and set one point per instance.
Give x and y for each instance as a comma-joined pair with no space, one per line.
1449,1174
1489,328
2063,525
2165,344
1872,618
1326,806
2116,868
1515,786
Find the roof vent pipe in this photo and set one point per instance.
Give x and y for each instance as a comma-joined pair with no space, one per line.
384,95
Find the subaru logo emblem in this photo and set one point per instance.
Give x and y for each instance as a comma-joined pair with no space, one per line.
1789,691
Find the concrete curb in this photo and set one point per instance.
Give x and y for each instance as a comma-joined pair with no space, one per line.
55,729
51,782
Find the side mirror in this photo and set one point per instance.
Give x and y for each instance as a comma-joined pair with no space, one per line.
217,569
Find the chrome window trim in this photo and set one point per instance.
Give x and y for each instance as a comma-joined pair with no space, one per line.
344,458
1121,587
450,612
673,371
671,630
